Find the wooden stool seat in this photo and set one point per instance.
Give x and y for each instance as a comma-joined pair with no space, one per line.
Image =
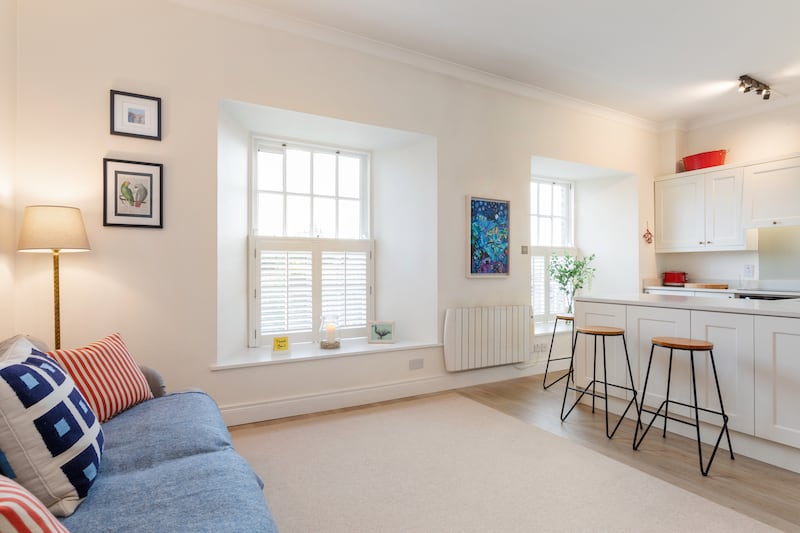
567,318
682,343
605,331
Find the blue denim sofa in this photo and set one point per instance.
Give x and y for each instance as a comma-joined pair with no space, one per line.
169,466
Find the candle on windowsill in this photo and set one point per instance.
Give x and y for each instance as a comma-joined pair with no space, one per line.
330,332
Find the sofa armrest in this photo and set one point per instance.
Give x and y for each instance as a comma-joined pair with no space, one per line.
155,380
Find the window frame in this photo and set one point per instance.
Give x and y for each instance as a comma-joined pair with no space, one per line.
268,144
316,245
538,250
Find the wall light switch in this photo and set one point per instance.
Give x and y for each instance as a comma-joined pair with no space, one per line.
524,250
749,271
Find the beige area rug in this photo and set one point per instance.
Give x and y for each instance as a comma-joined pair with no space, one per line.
449,464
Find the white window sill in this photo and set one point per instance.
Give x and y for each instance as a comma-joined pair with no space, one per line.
308,351
546,328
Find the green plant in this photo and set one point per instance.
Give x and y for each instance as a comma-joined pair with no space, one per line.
571,273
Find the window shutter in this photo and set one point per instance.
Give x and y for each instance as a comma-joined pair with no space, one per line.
286,291
345,281
538,292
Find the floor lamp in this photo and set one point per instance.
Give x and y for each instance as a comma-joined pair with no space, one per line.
53,229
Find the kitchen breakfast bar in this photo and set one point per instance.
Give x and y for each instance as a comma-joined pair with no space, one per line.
757,355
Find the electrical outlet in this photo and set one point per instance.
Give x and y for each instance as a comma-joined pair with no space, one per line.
748,271
416,364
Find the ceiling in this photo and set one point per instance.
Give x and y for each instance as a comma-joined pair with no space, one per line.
658,61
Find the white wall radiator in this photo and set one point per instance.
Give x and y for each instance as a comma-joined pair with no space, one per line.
477,337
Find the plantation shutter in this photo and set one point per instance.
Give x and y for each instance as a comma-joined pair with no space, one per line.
547,300
286,292
299,280
539,288
345,285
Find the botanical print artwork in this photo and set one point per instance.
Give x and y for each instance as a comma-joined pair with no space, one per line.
132,193
133,190
489,223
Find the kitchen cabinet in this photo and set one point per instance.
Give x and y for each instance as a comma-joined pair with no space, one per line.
777,376
644,323
771,191
733,338
701,212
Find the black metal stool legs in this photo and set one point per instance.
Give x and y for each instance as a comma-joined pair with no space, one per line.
694,407
545,384
591,388
721,407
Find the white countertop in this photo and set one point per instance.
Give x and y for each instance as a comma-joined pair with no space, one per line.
780,308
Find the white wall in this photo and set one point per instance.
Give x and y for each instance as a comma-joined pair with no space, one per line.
607,217
8,80
160,288
405,219
751,137
711,266
232,220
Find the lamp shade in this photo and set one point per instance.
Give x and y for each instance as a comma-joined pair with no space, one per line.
46,228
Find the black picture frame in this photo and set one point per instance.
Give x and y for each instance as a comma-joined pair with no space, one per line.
132,193
135,115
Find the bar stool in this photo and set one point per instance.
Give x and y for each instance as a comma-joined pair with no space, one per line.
602,332
690,345
564,318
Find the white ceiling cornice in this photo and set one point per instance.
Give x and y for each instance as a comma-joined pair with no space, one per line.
244,11
775,104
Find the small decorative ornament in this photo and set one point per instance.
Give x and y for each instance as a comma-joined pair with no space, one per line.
327,331
280,344
648,235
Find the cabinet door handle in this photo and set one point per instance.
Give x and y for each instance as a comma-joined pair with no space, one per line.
774,222
708,242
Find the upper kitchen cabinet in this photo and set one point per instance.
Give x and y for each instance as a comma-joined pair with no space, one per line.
701,212
771,191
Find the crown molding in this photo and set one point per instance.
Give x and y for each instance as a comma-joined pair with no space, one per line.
249,12
773,104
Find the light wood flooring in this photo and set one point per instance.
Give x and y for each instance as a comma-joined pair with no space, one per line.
761,491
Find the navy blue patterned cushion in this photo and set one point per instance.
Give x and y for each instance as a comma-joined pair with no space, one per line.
50,440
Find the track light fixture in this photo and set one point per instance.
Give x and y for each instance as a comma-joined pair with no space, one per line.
748,83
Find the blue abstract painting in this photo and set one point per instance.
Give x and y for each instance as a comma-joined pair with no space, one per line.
489,224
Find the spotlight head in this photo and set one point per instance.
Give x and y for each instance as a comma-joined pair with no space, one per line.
748,83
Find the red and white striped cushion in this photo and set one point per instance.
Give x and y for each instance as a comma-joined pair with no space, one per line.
106,375
22,512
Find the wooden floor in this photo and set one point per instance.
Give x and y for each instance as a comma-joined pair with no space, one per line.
764,492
